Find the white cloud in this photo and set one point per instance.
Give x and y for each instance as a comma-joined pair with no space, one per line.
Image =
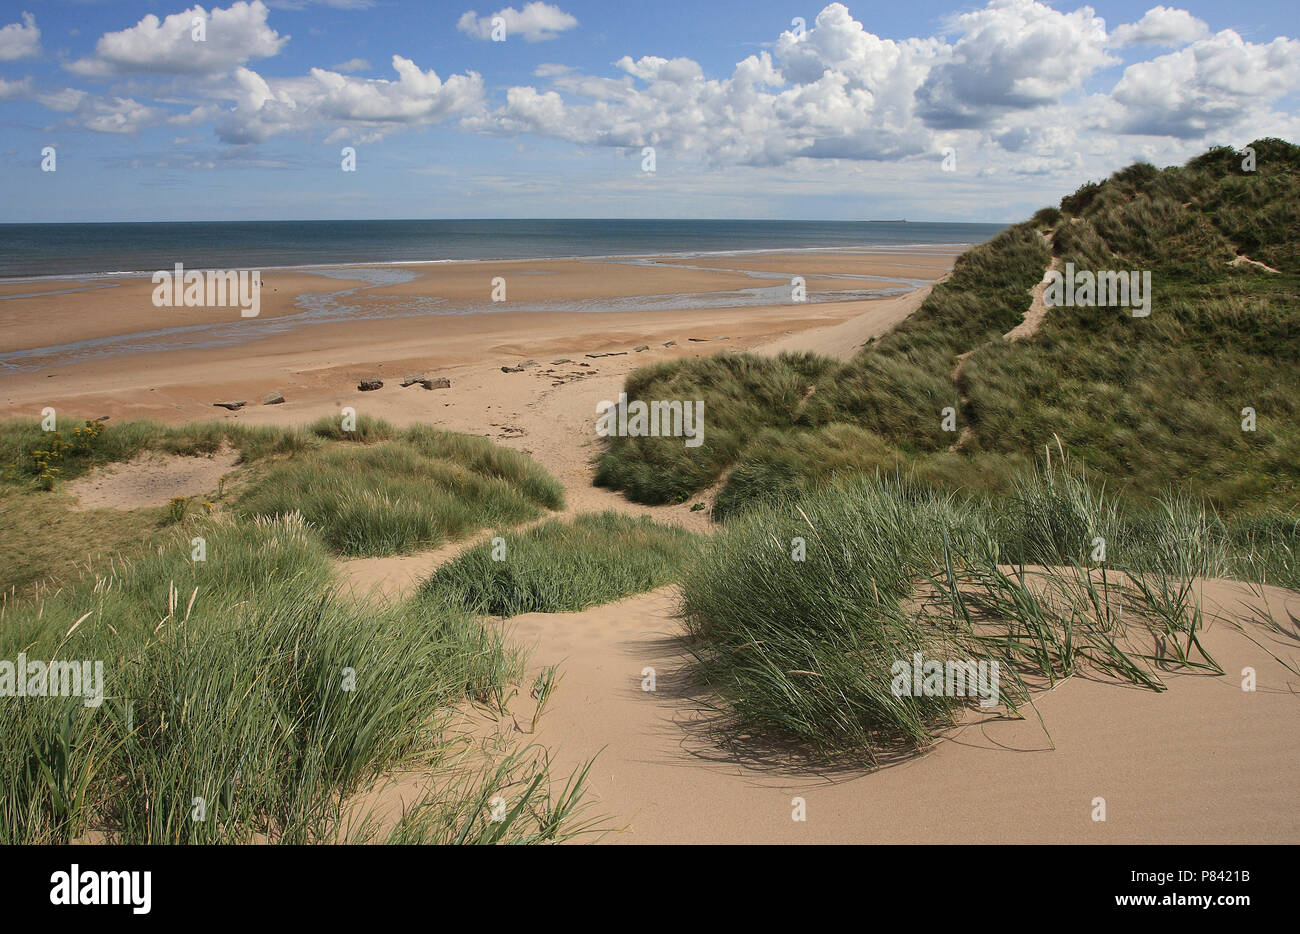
15,90
266,107
116,115
1014,86
232,37
20,40
1206,86
1012,55
353,64
63,100
1010,89
551,70
1161,25
839,92
536,22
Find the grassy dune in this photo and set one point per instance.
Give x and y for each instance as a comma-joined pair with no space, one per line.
244,697
1145,404
245,700
800,609
858,531
561,567
376,490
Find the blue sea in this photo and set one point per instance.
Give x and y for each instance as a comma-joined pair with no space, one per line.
30,250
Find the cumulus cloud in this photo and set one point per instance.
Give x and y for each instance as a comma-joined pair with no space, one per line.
20,40
116,115
536,22
266,107
1016,86
1011,78
15,90
1012,55
353,64
1161,25
231,37
837,92
1206,86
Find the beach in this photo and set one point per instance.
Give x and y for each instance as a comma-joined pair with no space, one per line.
1168,764
105,349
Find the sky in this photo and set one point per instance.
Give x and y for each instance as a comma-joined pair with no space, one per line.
927,110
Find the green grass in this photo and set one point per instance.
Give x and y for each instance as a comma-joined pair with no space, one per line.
799,608
560,566
246,698
244,680
741,392
1147,405
43,540
372,491
391,497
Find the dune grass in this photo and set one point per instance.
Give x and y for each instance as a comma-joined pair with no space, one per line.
741,392
42,540
799,608
245,700
1146,404
374,490
391,497
557,566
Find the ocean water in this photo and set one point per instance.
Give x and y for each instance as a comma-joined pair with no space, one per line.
37,250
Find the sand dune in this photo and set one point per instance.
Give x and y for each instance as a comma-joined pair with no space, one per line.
1203,762
1199,763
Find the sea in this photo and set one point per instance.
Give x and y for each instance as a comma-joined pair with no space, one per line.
133,249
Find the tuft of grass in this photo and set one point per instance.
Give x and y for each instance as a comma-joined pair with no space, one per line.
388,491
557,566
799,608
390,497
244,699
797,614
741,393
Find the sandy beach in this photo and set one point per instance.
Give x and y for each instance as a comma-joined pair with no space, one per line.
106,349
1169,765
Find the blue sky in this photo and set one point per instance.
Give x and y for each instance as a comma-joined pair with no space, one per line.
748,116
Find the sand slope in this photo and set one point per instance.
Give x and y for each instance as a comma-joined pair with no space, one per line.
1204,762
